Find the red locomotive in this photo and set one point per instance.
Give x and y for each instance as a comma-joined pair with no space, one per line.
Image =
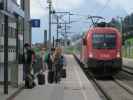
101,50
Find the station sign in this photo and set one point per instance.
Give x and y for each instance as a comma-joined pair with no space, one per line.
35,23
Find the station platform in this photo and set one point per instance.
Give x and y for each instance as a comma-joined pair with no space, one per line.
75,87
128,62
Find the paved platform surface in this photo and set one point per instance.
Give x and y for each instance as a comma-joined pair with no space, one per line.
128,62
75,87
11,90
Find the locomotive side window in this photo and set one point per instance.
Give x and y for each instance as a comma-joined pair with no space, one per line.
104,41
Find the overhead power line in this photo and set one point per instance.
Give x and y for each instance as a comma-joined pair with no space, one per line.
104,7
40,3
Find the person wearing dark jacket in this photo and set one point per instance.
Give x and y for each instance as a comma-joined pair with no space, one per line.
48,59
49,62
27,61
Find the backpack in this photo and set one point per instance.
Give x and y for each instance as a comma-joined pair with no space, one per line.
61,60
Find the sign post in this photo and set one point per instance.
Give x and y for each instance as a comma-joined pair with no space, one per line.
45,38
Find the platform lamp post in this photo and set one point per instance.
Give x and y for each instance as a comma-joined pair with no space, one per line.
50,11
45,38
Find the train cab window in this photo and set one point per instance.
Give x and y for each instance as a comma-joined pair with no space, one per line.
104,41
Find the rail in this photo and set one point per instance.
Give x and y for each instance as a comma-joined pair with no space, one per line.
101,92
127,69
99,86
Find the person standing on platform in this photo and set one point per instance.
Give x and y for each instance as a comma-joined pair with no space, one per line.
44,65
56,64
48,60
28,59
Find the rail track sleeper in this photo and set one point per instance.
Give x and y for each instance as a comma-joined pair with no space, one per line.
95,84
124,86
127,70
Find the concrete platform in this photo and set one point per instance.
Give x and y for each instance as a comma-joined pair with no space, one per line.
75,87
11,91
128,62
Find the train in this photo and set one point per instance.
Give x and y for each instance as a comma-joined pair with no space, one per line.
101,51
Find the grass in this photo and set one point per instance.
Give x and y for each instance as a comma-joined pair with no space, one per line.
131,40
71,50
128,52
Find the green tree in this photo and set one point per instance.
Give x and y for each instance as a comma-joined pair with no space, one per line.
115,23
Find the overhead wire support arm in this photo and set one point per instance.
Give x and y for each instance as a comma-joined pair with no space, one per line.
92,19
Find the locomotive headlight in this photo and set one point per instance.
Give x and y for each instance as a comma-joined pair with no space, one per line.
91,55
118,54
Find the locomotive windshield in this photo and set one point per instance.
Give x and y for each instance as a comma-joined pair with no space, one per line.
104,41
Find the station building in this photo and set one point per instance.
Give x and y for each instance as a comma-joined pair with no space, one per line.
19,32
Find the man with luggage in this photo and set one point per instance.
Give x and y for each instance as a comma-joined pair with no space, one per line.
28,59
48,60
55,62
58,63
41,75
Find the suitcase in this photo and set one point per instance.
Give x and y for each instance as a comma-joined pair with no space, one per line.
63,73
29,82
50,77
41,79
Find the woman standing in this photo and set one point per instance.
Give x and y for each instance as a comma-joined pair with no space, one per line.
56,64
44,65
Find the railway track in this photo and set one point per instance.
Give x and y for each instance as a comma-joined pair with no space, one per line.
109,88
128,70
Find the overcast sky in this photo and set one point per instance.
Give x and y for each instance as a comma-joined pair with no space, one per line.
106,8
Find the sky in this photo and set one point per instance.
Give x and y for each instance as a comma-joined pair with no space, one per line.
81,8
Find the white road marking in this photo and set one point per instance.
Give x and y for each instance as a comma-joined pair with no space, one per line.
81,84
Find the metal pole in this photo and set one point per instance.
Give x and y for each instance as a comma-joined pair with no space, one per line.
50,4
45,37
57,30
22,4
17,25
30,34
53,42
6,55
5,50
65,35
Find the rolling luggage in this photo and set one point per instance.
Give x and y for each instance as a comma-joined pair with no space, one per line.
29,82
50,77
41,79
63,73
